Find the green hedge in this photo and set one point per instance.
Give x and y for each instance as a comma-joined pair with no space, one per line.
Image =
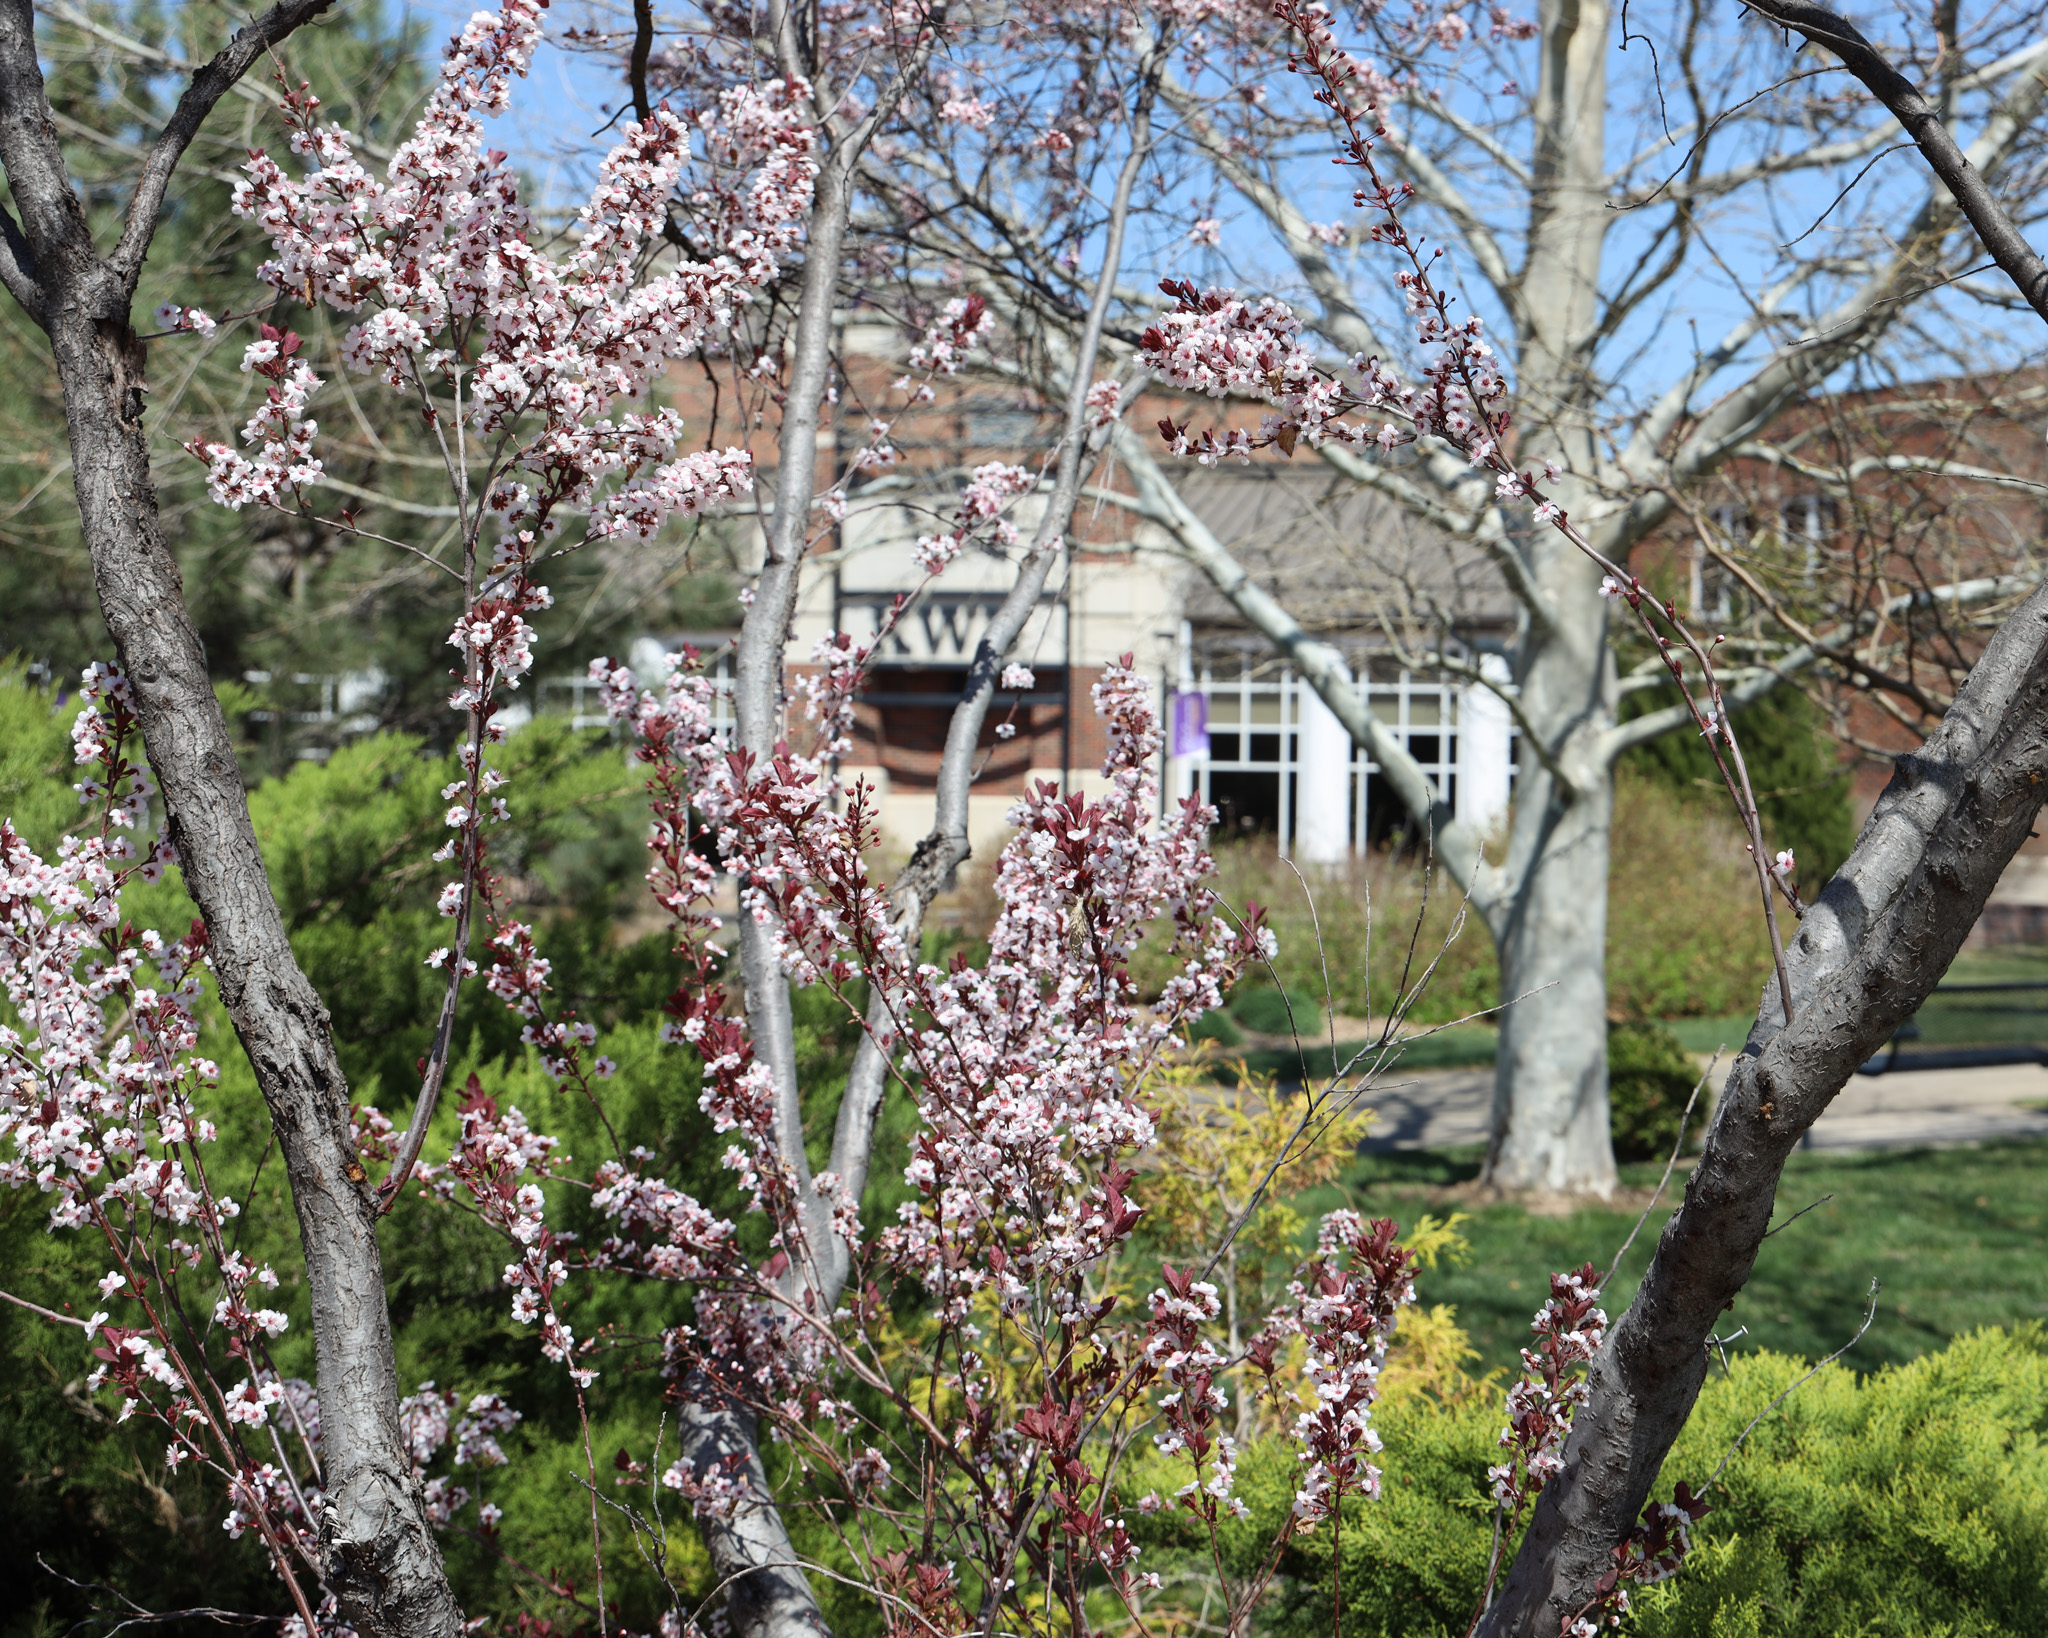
1912,1503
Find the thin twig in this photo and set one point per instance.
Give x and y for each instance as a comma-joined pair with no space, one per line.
1801,1212
1869,1314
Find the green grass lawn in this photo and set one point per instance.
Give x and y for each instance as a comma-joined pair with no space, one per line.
1955,1235
1953,1019
1460,1046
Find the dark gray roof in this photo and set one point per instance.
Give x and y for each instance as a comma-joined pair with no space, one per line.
1348,563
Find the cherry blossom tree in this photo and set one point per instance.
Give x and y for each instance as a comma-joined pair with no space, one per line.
1586,212
956,1392
440,250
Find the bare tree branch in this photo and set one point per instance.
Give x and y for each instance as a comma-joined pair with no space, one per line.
636,65
208,86
18,266
1965,182
1839,478
1854,323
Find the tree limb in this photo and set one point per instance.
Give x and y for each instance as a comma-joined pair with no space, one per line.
18,266
1840,478
1870,950
643,48
1965,183
1655,724
209,85
379,1555
1321,665
766,1598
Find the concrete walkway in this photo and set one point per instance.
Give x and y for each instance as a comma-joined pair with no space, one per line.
1904,1109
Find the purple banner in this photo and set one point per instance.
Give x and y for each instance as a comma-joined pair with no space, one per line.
1191,725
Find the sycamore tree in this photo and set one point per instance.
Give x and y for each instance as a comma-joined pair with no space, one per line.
957,1398
1669,241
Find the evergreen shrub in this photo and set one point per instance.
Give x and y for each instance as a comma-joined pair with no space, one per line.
1270,1011
1911,1503
1650,1076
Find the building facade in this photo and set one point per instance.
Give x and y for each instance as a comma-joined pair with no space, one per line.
1242,731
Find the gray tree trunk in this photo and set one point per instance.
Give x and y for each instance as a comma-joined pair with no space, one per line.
1550,1114
382,1560
1872,947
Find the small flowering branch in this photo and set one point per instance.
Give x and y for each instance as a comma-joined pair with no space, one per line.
1653,1551
1221,344
99,1090
1569,1329
1345,1305
939,352
528,356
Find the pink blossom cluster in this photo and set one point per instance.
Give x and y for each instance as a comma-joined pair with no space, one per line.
193,319
536,351
1105,402
501,1163
426,1419
1183,1359
839,665
100,1088
1345,1306
990,490
1022,1070
1653,1551
1220,344
717,1493
1217,343
1569,1329
1024,1065
102,1119
284,463
959,326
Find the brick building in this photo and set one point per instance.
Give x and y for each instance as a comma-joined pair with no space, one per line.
1243,731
